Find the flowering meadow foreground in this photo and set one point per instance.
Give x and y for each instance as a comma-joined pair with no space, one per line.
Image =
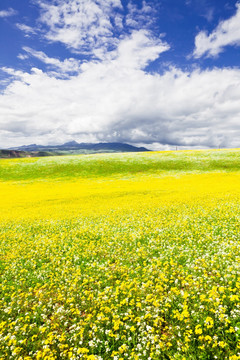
122,256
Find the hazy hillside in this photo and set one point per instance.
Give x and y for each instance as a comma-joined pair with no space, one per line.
69,148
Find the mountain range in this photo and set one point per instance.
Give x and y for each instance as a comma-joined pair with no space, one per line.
72,147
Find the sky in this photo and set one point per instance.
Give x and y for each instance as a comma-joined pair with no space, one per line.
155,73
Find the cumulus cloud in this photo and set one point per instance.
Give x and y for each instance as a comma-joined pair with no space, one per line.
140,17
83,26
226,33
117,100
8,12
111,97
90,27
139,49
68,65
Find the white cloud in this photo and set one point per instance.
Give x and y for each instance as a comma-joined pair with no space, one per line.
83,26
7,13
226,33
27,29
111,97
23,56
209,14
90,27
139,49
116,100
134,51
66,66
140,17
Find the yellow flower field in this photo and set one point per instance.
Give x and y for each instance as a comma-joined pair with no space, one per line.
130,265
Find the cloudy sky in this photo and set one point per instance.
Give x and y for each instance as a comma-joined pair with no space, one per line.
159,73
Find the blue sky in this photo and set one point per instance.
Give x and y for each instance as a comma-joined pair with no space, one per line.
156,73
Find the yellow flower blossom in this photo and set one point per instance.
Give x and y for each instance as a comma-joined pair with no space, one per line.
122,256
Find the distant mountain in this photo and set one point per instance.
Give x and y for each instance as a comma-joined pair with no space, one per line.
73,145
68,148
6,154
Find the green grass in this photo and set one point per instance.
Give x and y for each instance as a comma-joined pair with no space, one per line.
101,165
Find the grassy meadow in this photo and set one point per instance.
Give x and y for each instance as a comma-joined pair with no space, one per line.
121,256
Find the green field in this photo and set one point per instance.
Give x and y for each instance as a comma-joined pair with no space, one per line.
102,165
121,256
